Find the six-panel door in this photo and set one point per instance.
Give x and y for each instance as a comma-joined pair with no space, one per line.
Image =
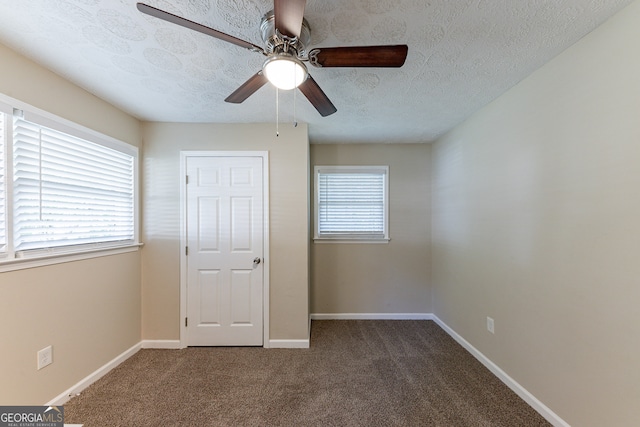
225,249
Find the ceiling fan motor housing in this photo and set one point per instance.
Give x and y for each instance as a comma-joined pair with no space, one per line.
277,43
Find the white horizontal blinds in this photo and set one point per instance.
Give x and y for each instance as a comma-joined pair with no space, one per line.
351,203
69,191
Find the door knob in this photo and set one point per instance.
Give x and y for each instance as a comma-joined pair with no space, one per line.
256,260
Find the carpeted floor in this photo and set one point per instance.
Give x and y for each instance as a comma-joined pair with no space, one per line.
356,373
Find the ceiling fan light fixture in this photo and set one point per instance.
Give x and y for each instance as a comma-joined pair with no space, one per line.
285,71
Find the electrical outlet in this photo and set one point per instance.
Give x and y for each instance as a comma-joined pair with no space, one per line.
490,325
45,357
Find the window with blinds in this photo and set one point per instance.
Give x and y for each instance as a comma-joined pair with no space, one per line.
68,192
351,203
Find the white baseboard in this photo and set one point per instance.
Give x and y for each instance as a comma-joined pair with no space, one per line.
372,316
540,407
64,397
162,344
289,343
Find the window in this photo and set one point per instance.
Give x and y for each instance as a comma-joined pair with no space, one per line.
351,203
63,189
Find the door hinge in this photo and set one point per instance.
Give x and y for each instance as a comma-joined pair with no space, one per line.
186,250
186,322
186,179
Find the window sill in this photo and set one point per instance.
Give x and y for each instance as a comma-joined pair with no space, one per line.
360,240
60,257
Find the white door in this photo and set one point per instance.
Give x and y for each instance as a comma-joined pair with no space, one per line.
224,251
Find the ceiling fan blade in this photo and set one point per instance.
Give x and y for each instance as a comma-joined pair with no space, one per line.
248,88
317,97
174,19
359,56
288,16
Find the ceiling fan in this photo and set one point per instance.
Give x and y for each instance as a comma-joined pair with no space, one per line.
286,34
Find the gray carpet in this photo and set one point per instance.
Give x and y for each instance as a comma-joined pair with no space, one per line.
356,373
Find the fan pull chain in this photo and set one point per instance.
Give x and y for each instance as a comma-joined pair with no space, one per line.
295,122
277,112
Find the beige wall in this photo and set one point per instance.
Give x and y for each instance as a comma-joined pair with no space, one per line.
289,241
379,278
88,310
23,80
536,208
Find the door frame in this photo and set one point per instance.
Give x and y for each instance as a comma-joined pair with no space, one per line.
184,155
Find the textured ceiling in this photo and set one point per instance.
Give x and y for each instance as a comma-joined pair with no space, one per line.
462,55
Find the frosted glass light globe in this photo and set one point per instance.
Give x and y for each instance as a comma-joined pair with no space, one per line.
284,71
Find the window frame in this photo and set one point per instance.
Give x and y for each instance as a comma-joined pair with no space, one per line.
13,260
5,140
319,237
